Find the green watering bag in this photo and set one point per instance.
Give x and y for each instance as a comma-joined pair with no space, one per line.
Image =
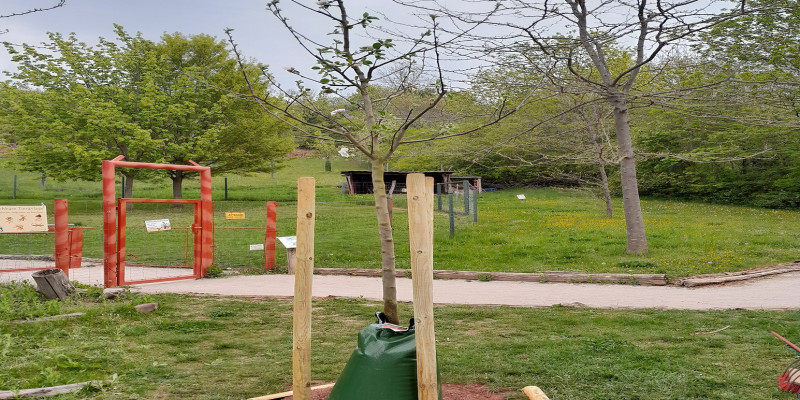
383,365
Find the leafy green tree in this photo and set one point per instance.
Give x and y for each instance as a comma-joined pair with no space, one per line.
151,102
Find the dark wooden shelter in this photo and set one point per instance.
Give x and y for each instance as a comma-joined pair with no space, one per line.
360,182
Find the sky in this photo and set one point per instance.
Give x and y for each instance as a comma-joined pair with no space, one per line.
257,32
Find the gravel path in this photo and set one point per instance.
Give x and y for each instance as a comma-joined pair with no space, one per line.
778,292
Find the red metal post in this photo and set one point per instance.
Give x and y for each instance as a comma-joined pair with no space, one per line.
207,256
75,247
197,232
122,223
269,238
60,209
109,226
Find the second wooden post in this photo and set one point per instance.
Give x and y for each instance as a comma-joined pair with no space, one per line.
301,328
420,231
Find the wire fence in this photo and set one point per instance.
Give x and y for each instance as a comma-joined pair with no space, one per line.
346,228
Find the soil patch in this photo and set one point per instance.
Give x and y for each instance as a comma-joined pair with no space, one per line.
450,391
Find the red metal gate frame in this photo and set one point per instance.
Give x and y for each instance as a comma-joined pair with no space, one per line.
110,231
122,244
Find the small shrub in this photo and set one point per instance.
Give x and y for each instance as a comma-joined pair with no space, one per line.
484,277
214,271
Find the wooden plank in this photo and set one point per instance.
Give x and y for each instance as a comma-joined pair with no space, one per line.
282,395
45,391
304,273
534,393
420,231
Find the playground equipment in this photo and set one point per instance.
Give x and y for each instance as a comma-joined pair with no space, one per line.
114,235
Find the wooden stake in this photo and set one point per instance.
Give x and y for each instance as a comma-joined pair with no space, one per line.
301,330
534,393
289,393
420,230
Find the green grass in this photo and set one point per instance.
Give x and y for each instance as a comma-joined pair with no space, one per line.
551,230
231,348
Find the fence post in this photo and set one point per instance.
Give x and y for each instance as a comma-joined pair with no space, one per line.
14,192
466,196
420,231
226,188
75,247
475,204
301,322
439,195
60,210
452,218
269,238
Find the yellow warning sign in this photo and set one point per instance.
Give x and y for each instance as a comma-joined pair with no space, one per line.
234,215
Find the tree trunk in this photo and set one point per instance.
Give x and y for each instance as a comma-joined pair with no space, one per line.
43,179
177,184
128,189
601,165
387,243
631,206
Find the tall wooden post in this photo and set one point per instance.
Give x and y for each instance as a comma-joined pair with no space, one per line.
110,278
61,212
301,330
420,231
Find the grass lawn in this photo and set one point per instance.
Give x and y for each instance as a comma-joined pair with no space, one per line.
552,230
233,348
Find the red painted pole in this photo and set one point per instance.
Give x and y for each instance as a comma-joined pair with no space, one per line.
122,241
75,247
207,205
197,233
269,238
60,209
109,226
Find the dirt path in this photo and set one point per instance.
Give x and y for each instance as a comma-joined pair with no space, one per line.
778,292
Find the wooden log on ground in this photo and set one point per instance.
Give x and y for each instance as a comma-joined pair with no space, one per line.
534,393
420,231
53,284
546,276
282,395
51,318
736,276
304,274
45,391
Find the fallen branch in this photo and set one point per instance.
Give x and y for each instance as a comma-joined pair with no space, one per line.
45,391
289,393
711,332
51,318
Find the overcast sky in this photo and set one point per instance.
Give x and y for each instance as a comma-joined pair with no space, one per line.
256,30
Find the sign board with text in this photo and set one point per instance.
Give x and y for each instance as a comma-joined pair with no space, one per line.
23,219
156,225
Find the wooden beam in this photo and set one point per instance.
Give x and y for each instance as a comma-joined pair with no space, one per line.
45,391
282,395
304,273
534,393
420,231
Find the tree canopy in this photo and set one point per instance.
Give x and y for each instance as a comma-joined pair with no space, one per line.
71,105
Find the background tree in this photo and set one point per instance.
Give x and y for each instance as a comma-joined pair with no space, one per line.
152,102
576,36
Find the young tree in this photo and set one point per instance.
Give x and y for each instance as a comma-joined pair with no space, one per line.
352,68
